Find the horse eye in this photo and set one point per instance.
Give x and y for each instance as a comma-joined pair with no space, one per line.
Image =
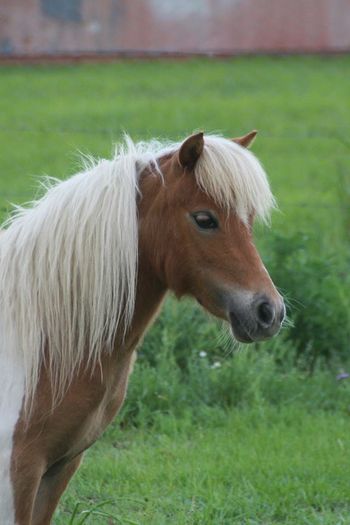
205,220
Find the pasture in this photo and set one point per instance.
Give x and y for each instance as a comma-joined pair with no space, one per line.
212,433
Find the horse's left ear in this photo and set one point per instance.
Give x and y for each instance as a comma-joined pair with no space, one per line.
191,150
247,140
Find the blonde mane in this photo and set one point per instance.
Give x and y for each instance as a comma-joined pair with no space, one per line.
68,262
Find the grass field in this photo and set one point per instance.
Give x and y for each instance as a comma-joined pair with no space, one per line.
274,448
247,467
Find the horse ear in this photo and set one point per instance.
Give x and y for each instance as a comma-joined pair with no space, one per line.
191,150
247,140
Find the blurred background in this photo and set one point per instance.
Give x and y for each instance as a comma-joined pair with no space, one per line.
211,432
152,27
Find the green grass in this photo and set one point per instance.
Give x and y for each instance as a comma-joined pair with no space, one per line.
256,466
249,443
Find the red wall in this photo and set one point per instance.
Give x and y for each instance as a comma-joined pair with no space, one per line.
229,26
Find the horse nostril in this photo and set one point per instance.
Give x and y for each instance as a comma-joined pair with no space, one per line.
266,314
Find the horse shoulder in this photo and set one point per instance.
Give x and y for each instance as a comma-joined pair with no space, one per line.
88,406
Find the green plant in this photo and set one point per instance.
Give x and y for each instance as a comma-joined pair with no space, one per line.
317,290
343,187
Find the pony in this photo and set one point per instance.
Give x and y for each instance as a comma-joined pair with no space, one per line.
83,273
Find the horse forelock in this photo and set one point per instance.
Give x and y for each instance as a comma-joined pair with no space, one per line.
234,178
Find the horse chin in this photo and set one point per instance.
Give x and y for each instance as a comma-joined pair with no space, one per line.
241,336
238,329
239,332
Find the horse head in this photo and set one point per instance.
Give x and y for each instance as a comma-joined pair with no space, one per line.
199,232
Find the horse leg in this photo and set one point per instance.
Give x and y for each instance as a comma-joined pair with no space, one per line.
26,484
52,485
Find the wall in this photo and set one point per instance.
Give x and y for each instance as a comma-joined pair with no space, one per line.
35,27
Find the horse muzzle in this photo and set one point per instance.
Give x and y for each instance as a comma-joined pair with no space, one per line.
256,317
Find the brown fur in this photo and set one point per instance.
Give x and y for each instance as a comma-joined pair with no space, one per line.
172,255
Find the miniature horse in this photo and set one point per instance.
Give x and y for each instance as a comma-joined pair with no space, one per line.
83,273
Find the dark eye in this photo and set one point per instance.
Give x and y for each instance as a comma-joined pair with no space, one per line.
205,220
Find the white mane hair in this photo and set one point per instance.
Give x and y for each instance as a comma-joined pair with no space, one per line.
68,262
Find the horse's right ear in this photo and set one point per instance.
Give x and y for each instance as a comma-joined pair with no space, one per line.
191,150
247,140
